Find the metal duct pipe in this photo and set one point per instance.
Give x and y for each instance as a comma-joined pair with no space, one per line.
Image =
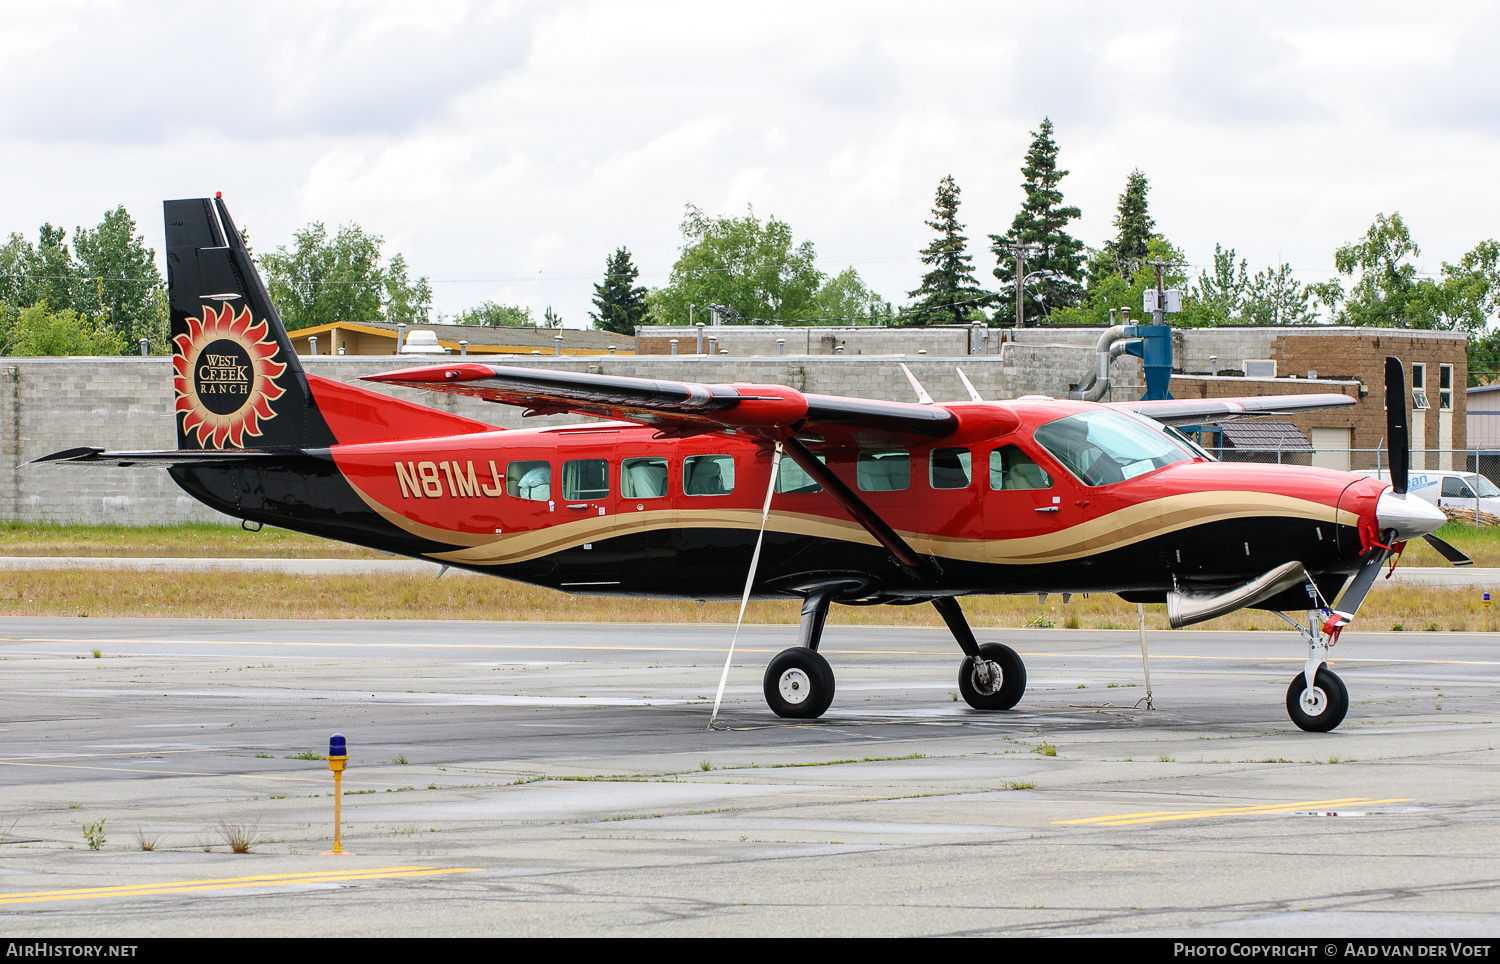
1112,344
1186,608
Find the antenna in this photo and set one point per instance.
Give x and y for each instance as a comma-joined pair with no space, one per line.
922,395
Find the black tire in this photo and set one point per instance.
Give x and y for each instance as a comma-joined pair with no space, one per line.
1328,712
1012,679
799,684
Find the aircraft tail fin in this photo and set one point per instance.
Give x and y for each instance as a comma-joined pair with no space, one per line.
237,380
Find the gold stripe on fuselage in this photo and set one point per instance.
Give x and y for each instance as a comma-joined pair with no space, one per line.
1118,529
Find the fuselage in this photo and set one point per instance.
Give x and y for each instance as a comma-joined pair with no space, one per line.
615,508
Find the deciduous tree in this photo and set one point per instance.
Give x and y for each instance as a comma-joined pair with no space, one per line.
322,280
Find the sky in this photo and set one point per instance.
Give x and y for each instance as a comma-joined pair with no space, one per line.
506,149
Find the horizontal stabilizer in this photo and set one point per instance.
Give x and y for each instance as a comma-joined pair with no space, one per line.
1210,411
96,456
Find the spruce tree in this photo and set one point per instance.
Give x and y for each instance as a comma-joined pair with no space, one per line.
1133,227
621,304
949,294
1041,224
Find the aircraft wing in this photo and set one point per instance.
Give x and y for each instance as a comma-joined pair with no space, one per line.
682,408
1209,411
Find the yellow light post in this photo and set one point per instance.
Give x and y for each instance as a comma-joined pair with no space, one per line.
338,755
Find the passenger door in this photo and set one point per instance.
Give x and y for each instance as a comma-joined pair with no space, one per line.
1034,511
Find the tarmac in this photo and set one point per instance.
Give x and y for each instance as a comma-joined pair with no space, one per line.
562,779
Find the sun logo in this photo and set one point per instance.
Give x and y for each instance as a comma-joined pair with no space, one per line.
225,378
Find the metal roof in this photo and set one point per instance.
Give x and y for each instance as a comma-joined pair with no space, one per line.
1259,436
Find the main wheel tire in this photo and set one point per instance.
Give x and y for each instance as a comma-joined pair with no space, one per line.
1323,707
799,684
1012,682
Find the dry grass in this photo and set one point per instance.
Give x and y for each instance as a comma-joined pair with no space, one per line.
230,542
199,540
223,595
241,838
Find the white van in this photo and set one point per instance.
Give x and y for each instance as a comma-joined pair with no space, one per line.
1460,490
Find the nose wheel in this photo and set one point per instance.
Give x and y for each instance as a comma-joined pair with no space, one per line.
1321,707
799,684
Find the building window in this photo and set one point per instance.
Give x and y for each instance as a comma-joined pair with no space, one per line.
1445,387
1419,386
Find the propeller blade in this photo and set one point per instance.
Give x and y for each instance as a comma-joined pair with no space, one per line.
1448,552
1349,602
1397,435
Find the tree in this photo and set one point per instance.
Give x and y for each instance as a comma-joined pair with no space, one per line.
1111,290
1041,224
1134,229
323,280
949,295
1385,292
1230,295
40,331
751,267
112,286
621,303
846,297
497,315
551,319
405,302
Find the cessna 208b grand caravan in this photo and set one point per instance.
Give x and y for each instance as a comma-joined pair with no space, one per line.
873,502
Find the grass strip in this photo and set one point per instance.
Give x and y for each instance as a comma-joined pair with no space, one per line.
228,595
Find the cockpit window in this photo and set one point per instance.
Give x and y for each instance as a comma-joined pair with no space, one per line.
1103,447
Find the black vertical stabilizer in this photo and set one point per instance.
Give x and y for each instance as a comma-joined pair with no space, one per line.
238,383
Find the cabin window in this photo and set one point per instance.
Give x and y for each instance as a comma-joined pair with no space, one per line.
529,480
643,478
585,479
1010,468
884,470
790,478
949,468
708,474
1104,447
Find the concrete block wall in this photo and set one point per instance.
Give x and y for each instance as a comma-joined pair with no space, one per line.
49,404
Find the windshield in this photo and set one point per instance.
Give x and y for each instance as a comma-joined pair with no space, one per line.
1103,447
1483,486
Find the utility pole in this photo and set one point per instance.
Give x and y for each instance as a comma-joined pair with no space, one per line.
1021,249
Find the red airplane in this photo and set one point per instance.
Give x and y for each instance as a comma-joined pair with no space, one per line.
683,485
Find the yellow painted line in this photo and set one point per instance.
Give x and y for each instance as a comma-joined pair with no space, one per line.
230,883
1158,816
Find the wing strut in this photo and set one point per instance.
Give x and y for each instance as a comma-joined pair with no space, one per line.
919,567
765,514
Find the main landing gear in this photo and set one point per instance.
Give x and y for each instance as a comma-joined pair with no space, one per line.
799,682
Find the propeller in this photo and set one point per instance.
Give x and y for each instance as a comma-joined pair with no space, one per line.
1397,512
